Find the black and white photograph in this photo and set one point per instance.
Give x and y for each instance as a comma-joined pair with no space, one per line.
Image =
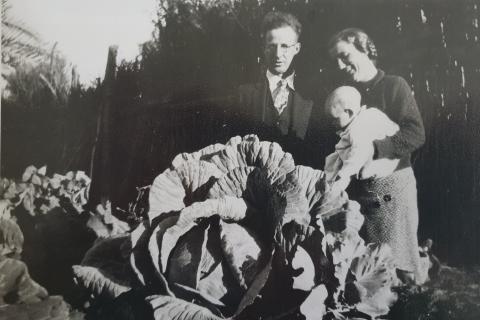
240,160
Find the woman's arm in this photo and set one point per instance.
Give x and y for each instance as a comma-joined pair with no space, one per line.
402,109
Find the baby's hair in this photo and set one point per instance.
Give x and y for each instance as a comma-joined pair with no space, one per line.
344,97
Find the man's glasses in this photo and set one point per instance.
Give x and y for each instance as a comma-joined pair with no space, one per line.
281,47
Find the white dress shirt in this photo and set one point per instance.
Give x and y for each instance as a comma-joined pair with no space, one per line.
281,92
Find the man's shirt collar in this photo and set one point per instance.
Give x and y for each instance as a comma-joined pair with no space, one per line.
274,79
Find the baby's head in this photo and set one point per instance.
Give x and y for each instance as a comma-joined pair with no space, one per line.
342,105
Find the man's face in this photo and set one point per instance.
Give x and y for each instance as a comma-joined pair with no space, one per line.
281,46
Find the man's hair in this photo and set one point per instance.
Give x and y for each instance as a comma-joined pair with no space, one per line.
359,39
278,19
344,97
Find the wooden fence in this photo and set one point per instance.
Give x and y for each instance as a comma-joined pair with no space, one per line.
434,45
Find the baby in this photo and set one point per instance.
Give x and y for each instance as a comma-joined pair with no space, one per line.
358,127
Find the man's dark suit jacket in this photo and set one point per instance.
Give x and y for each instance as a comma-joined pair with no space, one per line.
256,114
308,136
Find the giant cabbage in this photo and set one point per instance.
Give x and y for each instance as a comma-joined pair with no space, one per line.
237,230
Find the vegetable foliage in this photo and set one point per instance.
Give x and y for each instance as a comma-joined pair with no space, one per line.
236,231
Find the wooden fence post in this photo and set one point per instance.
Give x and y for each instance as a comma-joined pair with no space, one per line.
100,165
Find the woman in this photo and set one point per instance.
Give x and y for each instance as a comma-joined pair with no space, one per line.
389,203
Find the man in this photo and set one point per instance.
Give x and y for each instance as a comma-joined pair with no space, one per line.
273,108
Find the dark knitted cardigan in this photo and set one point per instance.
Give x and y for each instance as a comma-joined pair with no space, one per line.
393,96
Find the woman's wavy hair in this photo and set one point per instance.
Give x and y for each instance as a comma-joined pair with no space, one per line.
359,39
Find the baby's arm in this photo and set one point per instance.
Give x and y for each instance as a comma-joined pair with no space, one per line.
360,153
353,158
333,163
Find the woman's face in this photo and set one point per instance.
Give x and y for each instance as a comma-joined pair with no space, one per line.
355,64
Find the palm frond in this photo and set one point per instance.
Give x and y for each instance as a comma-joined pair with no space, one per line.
19,28
19,43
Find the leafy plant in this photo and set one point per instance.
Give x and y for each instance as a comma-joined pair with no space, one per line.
11,238
39,193
16,285
238,231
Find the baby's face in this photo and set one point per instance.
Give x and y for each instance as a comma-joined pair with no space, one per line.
340,117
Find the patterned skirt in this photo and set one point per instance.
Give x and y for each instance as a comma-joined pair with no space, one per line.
391,215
